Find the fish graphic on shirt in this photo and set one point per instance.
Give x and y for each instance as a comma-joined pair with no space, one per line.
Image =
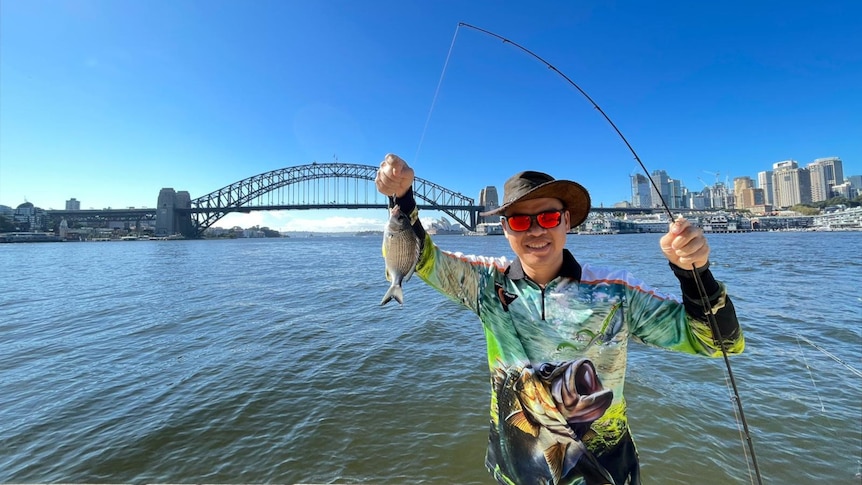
542,413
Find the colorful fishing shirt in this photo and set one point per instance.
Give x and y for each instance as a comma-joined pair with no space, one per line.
557,357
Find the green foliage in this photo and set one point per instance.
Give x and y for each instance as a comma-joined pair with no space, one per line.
805,210
269,232
7,225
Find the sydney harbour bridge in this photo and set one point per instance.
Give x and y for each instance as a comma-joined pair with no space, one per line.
304,187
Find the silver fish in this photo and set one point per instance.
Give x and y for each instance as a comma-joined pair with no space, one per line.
401,248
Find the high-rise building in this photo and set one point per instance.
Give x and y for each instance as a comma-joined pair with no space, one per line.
73,205
640,191
855,185
825,173
843,190
662,181
676,192
764,181
740,184
749,197
697,200
792,185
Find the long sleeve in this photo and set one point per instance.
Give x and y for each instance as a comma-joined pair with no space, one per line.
719,303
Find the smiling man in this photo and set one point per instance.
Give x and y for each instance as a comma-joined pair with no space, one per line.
557,330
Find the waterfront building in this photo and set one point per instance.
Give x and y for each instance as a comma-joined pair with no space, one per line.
29,217
782,222
251,233
73,204
641,223
444,226
792,185
764,181
599,224
488,229
840,219
724,222
824,173
640,191
762,209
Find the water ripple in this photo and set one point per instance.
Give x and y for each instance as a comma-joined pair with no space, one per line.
272,361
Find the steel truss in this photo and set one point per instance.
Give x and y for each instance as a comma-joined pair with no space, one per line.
239,196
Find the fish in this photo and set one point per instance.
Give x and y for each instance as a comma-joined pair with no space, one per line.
401,248
540,418
578,392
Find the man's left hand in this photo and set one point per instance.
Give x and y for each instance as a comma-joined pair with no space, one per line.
685,245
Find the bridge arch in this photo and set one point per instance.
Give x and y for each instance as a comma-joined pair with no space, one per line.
240,196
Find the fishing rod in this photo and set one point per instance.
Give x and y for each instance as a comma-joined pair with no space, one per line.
700,287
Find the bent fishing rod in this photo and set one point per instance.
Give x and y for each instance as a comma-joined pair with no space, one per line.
707,309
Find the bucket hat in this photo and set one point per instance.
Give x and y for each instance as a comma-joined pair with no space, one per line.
530,185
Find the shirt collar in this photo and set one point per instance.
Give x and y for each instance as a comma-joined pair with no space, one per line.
570,269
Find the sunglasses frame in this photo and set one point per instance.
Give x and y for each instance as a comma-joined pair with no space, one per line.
534,219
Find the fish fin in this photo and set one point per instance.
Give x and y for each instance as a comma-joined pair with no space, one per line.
395,292
554,455
519,420
409,274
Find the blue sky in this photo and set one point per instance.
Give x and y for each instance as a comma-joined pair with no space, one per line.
108,101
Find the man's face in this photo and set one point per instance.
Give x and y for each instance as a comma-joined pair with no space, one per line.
539,249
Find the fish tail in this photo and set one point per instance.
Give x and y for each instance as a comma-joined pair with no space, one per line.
395,292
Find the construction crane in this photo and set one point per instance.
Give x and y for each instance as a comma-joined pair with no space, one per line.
716,174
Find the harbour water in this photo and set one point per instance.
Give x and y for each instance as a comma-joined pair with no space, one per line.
270,360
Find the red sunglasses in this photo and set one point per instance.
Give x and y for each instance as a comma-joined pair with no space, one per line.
522,222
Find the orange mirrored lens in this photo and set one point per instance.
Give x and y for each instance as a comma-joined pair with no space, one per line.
519,223
547,220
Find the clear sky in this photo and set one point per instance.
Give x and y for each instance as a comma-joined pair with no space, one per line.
108,101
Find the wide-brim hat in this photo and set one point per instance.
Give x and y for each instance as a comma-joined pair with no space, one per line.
536,185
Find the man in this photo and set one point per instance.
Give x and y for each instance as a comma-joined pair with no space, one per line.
557,330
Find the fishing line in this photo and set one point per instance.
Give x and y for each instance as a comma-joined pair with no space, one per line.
436,93
831,355
704,300
811,374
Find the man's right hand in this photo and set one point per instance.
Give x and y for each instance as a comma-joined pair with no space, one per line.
394,177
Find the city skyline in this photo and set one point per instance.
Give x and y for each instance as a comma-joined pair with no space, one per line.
816,181
726,181
109,102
